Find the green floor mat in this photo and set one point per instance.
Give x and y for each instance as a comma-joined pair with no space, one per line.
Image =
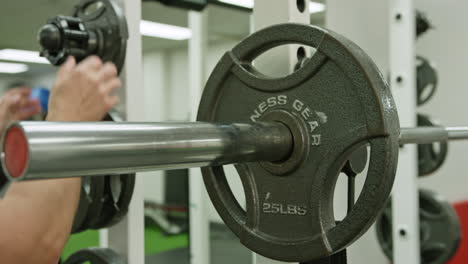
79,241
155,241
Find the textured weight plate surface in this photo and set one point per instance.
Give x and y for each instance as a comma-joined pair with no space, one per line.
430,156
440,232
109,23
95,256
337,102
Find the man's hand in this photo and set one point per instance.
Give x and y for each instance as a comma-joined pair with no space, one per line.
83,92
16,105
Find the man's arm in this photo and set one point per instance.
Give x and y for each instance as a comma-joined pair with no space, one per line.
36,216
35,220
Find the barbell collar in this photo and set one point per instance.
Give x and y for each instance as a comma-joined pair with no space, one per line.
43,150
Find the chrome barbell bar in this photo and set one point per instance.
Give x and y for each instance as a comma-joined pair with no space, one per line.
59,150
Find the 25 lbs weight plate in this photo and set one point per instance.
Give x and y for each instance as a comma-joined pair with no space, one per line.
440,231
335,103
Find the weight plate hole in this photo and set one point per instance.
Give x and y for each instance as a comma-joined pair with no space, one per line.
268,63
301,53
86,184
345,197
301,4
235,184
116,187
386,228
429,208
431,253
93,8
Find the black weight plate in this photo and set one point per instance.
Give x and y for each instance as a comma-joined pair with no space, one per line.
430,156
422,23
338,258
94,193
110,24
97,27
118,195
426,80
95,256
118,192
337,102
83,205
440,232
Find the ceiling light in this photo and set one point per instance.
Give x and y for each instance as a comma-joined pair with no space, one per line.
158,30
314,7
22,55
6,67
241,3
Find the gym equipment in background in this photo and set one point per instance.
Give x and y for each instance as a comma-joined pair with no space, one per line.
426,80
430,156
440,231
423,24
97,27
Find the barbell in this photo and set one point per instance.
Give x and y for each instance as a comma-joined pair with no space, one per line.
289,138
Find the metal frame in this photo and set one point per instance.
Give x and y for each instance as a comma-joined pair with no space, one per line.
127,237
198,199
405,191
